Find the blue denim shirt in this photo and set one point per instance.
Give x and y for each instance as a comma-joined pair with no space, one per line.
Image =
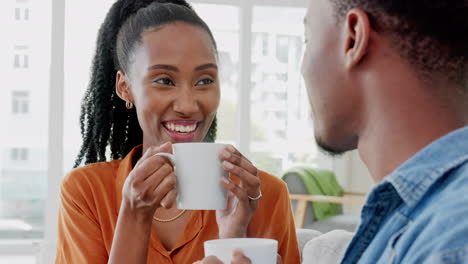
418,213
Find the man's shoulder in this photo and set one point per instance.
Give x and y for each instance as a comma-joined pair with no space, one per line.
440,228
451,192
448,197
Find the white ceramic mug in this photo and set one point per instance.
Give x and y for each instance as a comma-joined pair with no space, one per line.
258,250
199,172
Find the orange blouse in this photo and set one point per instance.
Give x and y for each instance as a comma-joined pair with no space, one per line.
90,203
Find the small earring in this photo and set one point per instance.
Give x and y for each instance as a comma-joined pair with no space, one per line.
129,105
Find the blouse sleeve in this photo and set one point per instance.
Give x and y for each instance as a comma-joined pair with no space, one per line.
287,245
79,236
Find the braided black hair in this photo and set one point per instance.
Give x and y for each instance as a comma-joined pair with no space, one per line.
106,124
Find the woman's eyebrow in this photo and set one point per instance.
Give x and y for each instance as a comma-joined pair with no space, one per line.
206,66
175,69
163,67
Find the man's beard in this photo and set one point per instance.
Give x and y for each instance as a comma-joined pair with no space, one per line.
327,149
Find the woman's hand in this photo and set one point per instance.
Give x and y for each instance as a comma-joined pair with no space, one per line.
151,184
242,198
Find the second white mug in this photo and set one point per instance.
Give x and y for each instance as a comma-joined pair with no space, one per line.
258,250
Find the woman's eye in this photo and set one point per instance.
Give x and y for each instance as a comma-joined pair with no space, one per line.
205,82
164,81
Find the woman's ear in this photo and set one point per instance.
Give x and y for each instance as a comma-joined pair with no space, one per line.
357,31
122,87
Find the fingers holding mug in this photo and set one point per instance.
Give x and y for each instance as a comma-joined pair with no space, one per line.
165,193
248,181
239,258
232,155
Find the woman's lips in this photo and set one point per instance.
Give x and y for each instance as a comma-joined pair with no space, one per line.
181,130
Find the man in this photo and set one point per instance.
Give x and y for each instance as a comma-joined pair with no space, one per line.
390,78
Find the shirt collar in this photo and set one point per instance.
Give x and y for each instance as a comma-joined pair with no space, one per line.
414,178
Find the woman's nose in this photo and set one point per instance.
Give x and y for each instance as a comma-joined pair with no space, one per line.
186,103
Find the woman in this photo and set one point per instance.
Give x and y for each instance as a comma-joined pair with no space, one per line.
155,82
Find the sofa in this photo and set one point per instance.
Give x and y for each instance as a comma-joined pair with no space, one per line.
340,221
316,247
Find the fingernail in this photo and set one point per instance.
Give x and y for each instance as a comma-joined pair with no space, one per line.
231,148
226,154
237,252
227,165
225,180
163,205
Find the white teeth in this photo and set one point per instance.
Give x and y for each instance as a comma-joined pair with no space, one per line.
179,128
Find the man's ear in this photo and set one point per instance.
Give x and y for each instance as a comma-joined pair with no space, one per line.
122,87
357,33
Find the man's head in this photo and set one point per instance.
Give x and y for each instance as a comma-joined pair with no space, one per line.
357,49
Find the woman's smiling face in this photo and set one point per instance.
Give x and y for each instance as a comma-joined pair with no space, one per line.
173,82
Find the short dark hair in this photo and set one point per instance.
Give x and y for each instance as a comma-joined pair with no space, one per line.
432,35
105,121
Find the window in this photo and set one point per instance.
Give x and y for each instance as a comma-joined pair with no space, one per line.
24,172
21,13
20,104
19,154
226,33
21,57
281,128
22,10
281,133
260,45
